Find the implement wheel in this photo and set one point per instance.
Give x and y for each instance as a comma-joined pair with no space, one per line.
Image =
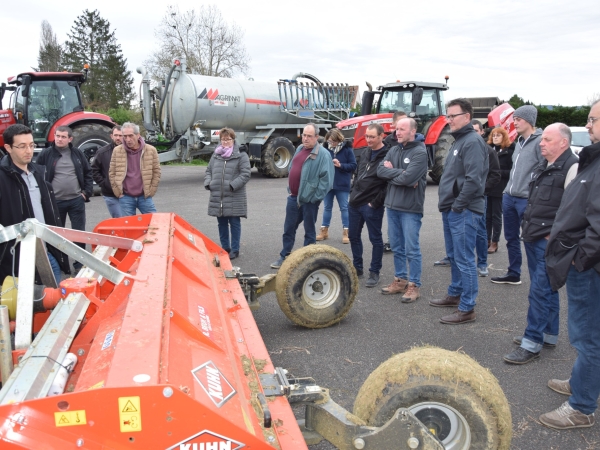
276,157
459,401
316,286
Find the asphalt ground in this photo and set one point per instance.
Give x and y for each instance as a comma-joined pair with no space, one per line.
341,357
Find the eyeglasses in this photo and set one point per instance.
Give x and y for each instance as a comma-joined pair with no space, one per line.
25,146
308,135
330,142
226,140
370,137
453,116
591,120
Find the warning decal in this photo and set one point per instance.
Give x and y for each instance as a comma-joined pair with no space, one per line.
130,414
70,418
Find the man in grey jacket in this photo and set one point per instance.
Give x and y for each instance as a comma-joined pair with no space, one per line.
405,169
526,157
461,203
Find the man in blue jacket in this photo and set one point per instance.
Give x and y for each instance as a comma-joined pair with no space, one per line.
405,169
310,179
461,202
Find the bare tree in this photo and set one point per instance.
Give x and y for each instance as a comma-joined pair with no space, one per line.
50,54
210,45
593,98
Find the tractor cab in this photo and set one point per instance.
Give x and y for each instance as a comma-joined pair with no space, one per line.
42,98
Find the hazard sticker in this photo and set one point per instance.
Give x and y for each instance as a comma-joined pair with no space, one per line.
213,382
130,414
206,440
69,418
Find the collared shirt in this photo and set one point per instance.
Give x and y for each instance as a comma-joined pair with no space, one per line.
34,195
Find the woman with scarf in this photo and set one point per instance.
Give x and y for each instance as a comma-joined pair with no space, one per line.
344,161
226,176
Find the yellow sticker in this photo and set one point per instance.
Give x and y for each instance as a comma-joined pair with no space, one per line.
69,418
98,385
130,414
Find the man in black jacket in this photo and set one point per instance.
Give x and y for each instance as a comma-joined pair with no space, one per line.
545,193
71,179
366,204
462,203
100,168
24,194
573,255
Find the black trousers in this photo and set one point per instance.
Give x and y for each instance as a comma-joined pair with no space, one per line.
75,208
493,218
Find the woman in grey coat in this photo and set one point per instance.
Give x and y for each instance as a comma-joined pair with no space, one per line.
226,176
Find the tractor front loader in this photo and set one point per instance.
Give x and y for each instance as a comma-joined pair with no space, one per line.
153,345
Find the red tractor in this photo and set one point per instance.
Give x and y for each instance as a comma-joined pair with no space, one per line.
424,102
44,101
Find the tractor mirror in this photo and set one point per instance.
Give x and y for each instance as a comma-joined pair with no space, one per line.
417,96
26,80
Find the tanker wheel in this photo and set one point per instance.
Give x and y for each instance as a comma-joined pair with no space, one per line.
316,286
459,401
444,143
276,157
89,138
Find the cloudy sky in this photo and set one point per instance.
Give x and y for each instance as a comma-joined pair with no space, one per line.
546,51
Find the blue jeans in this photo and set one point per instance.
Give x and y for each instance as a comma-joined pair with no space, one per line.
294,216
342,199
544,305
55,267
236,231
513,209
114,207
481,243
403,229
75,208
129,205
373,218
583,291
460,231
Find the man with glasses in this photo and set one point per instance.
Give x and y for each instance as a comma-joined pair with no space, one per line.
309,181
25,194
134,172
70,174
573,256
461,203
100,168
526,157
366,204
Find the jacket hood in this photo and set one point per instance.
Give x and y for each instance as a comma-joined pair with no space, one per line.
587,155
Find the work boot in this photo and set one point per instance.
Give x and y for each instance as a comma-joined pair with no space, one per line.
565,417
345,239
493,247
398,286
373,280
323,234
448,300
412,294
560,386
520,356
459,317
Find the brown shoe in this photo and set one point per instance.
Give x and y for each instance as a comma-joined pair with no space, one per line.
412,293
398,286
458,317
493,248
449,300
323,234
565,417
345,239
560,386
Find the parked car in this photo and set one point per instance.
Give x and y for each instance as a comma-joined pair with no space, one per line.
580,139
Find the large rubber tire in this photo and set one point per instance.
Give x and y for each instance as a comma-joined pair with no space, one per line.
444,143
448,391
89,138
316,286
276,157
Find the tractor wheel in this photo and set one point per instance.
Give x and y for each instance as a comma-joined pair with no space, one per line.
89,138
444,143
316,286
276,157
459,401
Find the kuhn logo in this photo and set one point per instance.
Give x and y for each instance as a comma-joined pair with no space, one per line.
214,383
214,95
207,440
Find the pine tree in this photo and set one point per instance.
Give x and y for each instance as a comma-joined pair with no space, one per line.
50,54
109,83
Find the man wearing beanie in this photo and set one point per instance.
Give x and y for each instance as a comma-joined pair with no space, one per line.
526,157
